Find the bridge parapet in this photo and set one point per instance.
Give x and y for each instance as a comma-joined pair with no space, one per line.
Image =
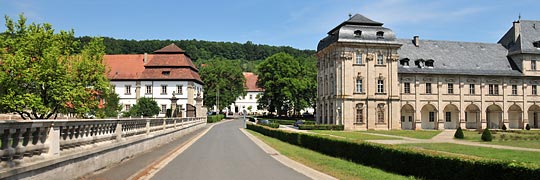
25,142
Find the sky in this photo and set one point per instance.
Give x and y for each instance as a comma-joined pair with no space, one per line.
296,23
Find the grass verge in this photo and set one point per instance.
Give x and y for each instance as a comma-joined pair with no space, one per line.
354,136
485,152
335,167
419,134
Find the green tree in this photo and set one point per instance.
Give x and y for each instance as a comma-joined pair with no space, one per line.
44,72
146,107
288,83
112,105
223,79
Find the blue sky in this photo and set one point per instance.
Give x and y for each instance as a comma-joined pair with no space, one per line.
297,23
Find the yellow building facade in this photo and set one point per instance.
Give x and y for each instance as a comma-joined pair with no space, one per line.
369,79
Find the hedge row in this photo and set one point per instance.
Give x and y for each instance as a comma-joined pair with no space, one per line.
320,127
215,118
426,165
272,125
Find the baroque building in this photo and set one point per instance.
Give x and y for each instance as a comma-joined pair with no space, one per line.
168,76
369,79
249,101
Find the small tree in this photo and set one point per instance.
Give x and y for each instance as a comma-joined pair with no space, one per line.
486,135
528,127
145,107
503,127
459,133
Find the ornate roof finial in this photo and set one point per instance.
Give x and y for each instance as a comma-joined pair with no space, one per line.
519,16
350,15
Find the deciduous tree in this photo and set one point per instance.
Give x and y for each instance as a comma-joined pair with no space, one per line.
224,79
42,75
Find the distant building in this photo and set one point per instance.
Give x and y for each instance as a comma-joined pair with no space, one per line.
166,73
368,79
249,101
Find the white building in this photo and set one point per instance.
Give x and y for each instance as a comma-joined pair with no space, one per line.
166,73
249,101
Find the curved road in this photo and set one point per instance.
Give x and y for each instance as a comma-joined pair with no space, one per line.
226,153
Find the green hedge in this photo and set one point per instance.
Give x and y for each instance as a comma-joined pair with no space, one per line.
283,122
215,118
320,127
423,164
272,125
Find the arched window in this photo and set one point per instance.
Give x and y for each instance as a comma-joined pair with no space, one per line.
359,113
357,33
380,113
380,35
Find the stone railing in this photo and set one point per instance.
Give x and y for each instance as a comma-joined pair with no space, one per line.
23,141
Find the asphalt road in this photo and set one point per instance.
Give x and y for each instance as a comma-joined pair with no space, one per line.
226,153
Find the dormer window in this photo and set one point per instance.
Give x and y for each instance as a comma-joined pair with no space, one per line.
536,44
380,35
357,33
429,63
404,62
166,73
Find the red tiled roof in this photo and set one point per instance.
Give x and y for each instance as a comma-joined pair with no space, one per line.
124,66
251,82
171,48
173,73
169,60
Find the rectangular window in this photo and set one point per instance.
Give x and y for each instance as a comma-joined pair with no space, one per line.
380,59
127,107
359,86
534,92
163,89
380,86
428,88
471,89
179,89
359,115
514,90
450,88
402,118
148,89
128,90
493,89
407,87
533,65
431,116
410,118
163,108
358,58
448,116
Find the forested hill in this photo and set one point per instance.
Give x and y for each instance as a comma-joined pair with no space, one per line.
200,50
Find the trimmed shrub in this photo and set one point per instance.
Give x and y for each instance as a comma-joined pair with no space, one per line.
503,127
405,161
320,127
459,134
272,125
486,135
215,118
528,127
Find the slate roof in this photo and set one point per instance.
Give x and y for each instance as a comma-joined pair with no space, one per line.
450,57
528,34
357,19
251,82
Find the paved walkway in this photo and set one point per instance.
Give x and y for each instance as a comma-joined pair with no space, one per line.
226,153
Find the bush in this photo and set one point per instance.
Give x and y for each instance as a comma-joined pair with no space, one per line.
272,125
320,127
528,127
486,135
215,118
405,161
503,127
459,134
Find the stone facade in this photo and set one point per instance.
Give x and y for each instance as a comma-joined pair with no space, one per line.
368,79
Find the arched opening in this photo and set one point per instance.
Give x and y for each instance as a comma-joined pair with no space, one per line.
472,117
407,117
534,113
429,116
494,116
451,116
515,117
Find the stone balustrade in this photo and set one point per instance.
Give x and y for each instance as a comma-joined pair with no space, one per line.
26,139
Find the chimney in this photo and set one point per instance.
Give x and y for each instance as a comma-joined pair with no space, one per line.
517,30
416,41
145,60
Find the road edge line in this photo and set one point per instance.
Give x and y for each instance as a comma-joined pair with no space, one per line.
298,167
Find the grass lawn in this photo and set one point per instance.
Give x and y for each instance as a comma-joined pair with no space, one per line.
492,153
354,135
419,134
335,167
508,139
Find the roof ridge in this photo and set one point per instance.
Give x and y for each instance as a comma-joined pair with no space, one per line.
450,41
